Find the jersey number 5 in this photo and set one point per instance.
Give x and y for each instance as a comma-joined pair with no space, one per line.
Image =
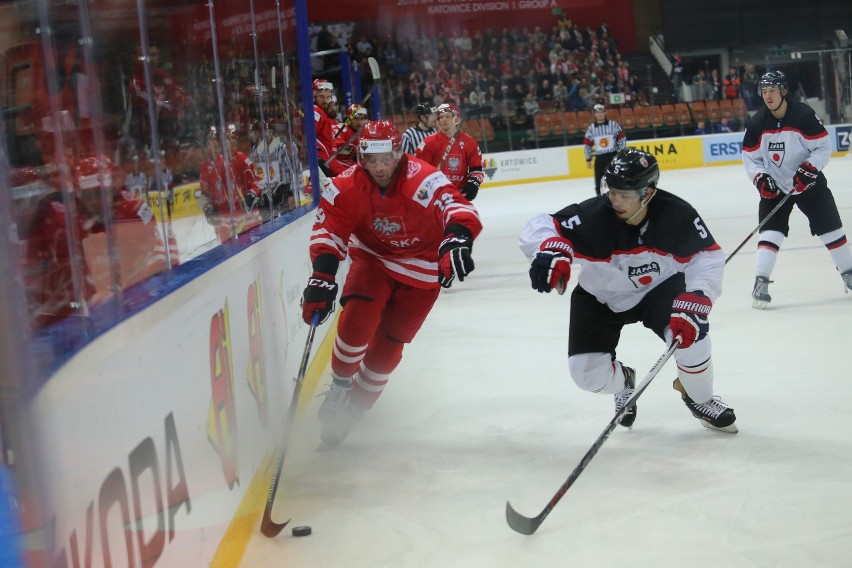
701,230
571,222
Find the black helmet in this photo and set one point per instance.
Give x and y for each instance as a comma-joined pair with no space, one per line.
632,169
423,110
773,79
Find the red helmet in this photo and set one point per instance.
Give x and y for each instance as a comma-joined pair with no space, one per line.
379,137
323,85
356,111
451,108
92,173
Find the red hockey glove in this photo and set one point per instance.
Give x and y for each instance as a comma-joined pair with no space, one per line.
319,295
551,266
766,186
454,255
689,317
804,178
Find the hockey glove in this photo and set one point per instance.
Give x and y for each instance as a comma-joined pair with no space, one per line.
689,318
319,295
454,255
551,266
804,178
471,184
766,186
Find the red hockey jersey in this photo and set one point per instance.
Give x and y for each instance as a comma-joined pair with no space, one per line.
464,154
402,226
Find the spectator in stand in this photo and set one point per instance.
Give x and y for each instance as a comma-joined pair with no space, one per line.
677,77
714,86
749,86
606,138
699,86
724,125
732,84
702,128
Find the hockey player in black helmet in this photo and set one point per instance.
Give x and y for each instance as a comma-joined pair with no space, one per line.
647,256
425,126
785,149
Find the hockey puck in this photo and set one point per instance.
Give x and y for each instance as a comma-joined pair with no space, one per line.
301,531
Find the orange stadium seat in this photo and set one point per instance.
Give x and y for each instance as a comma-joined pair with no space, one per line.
628,121
699,111
542,124
473,129
487,129
740,109
683,116
584,119
656,116
669,115
642,116
726,109
569,118
713,112
557,124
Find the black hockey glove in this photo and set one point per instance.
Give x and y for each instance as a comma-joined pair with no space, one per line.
321,290
471,185
470,189
766,186
454,255
551,266
804,178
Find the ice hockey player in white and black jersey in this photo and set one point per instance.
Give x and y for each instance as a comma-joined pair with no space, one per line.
646,256
785,149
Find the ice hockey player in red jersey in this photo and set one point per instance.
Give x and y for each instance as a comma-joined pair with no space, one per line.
323,95
785,149
346,140
646,256
228,205
461,162
408,232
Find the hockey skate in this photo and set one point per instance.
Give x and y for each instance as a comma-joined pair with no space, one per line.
622,397
713,414
336,414
847,279
760,295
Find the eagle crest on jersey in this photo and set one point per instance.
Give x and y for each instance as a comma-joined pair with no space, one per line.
413,168
454,163
385,226
776,152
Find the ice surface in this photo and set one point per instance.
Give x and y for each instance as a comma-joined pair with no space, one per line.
482,410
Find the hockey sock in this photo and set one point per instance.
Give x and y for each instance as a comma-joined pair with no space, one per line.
838,248
767,252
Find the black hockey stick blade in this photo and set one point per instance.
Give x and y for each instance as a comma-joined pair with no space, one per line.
268,527
483,110
520,523
528,526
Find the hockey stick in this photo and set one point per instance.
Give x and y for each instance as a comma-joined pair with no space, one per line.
527,525
268,527
759,226
472,113
377,76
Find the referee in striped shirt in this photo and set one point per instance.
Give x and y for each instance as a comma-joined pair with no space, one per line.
606,138
425,126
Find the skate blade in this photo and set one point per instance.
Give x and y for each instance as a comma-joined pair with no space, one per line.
730,429
759,304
